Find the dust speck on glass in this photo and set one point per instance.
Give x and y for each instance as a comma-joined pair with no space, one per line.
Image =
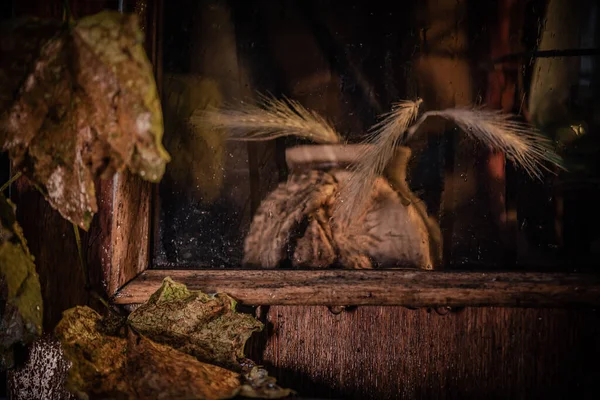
363,135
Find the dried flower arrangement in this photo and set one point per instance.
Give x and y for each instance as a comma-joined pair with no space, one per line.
351,216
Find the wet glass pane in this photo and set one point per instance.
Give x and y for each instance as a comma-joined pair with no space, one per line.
446,196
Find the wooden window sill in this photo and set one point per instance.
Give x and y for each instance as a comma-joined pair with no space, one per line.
411,288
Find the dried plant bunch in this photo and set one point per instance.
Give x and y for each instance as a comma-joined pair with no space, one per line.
339,206
524,145
271,118
370,163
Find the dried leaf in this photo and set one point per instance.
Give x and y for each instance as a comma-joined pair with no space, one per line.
20,292
161,372
134,367
49,135
259,385
85,106
207,327
115,73
98,360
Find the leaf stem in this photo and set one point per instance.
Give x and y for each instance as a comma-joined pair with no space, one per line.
10,181
67,16
95,295
86,275
81,258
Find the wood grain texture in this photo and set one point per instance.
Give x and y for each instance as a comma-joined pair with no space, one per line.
130,230
51,240
391,287
397,353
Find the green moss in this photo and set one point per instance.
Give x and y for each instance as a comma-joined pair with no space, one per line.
207,327
21,321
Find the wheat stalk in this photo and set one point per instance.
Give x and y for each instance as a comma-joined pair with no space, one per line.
524,145
371,162
271,119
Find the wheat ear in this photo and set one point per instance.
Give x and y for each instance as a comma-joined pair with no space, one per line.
270,119
371,162
522,143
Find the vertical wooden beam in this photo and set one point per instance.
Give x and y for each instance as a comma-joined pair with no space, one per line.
130,206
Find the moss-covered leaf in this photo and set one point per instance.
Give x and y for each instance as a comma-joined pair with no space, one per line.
115,73
82,104
207,327
181,344
20,292
130,366
98,360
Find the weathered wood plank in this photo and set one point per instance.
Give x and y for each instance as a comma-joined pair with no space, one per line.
130,230
396,353
51,240
390,287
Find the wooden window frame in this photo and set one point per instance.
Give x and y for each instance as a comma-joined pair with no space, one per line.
126,204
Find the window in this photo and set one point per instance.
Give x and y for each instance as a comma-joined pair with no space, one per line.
496,235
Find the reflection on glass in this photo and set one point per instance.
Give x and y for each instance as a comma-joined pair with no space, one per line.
318,80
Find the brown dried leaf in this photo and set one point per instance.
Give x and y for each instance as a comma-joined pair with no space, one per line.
259,385
115,73
84,105
134,367
50,135
20,292
207,327
98,360
161,372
